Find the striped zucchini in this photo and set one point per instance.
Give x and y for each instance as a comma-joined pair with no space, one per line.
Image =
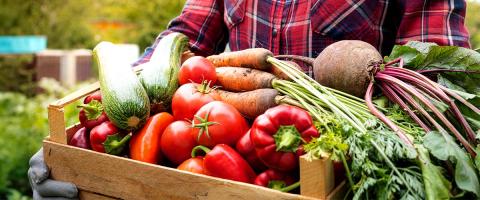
123,97
159,76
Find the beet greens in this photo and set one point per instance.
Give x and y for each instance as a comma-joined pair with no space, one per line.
413,92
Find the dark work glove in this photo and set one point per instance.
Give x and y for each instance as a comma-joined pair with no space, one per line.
45,188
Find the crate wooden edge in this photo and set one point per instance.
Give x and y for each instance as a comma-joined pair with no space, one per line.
59,136
90,171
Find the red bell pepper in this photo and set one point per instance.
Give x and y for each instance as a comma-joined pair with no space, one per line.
92,113
224,162
276,180
194,165
105,138
80,139
247,150
278,133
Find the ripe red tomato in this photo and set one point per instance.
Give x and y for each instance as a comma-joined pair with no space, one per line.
177,142
197,69
218,123
189,98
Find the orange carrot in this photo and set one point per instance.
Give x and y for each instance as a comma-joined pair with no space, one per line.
255,58
252,103
238,79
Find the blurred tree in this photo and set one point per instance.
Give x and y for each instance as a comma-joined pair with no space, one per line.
136,22
78,24
16,74
65,23
81,24
473,22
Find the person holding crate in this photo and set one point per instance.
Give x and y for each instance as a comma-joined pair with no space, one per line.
297,27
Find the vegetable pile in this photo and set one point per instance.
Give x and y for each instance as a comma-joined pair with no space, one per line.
419,156
248,116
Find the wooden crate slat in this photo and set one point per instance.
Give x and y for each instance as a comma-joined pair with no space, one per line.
76,95
129,179
56,122
316,177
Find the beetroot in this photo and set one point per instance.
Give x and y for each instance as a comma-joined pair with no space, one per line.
344,65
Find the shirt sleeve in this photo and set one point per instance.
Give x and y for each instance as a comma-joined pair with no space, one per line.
436,21
202,22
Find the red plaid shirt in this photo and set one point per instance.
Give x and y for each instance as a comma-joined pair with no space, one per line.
306,27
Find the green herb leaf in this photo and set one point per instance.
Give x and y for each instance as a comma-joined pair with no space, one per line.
443,147
436,185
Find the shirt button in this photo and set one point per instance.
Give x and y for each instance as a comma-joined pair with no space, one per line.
274,32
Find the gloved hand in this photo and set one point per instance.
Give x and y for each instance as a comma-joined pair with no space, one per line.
45,188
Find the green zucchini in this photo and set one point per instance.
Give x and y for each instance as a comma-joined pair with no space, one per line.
159,76
125,101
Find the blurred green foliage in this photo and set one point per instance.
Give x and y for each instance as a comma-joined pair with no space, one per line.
16,74
64,22
140,20
75,24
23,126
70,24
472,22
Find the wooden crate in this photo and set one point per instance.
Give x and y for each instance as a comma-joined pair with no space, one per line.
103,176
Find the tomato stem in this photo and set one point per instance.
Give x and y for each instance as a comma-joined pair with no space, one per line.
203,125
287,138
204,87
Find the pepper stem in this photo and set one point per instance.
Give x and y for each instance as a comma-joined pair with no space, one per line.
93,109
287,139
199,147
276,184
114,145
290,187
